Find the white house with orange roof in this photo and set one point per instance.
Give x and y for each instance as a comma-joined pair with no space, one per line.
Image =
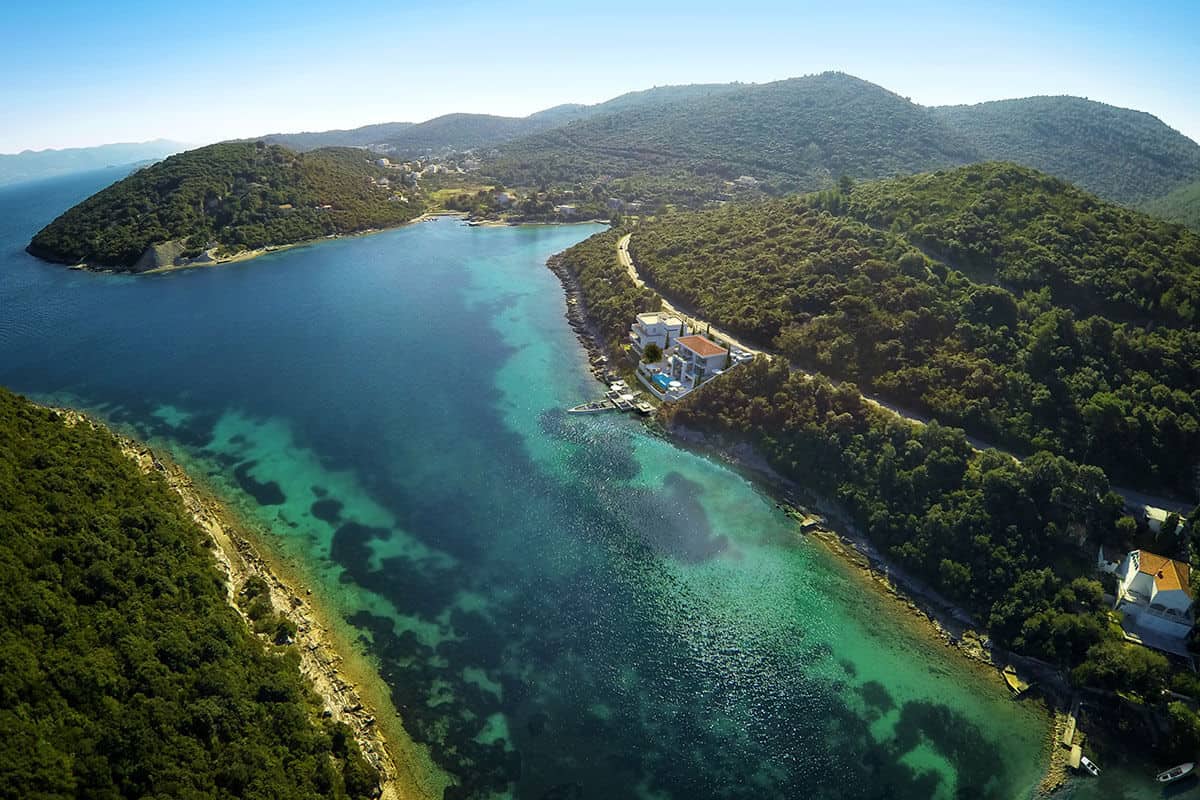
696,359
1153,591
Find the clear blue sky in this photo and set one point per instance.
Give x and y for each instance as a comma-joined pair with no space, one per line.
83,73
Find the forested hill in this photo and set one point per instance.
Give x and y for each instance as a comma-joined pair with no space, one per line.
470,131
681,144
124,673
225,198
797,134
1014,363
1181,205
1013,225
1120,154
351,137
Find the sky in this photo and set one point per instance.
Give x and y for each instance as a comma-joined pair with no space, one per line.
85,73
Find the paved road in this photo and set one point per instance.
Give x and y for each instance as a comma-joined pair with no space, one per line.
695,323
1133,499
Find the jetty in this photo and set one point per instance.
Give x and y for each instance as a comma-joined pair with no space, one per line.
593,407
617,398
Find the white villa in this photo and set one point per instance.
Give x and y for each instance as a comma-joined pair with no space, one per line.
657,327
1154,594
696,359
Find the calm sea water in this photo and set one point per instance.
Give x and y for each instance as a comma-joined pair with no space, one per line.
563,607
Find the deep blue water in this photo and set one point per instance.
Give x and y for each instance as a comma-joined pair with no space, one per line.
562,607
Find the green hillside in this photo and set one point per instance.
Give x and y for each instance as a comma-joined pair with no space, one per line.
470,131
682,144
1012,541
1181,205
1122,155
1010,224
124,673
1028,370
233,196
795,134
352,137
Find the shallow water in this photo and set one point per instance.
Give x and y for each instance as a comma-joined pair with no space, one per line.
563,607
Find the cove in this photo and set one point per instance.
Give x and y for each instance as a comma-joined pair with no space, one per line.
561,607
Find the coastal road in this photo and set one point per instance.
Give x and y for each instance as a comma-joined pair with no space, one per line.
1134,500
693,322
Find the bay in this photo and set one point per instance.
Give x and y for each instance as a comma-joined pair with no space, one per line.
561,607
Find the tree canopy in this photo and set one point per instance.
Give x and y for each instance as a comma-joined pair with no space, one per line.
236,195
1024,363
123,670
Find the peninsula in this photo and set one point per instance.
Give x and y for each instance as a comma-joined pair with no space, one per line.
223,201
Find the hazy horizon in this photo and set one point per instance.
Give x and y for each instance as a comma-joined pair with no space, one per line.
302,66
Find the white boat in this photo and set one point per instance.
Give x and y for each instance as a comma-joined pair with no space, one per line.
1177,772
1089,765
594,407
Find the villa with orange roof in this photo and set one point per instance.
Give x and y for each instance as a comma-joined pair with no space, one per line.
1155,597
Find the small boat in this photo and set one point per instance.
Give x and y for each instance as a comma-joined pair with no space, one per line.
1015,684
645,408
1089,765
1175,773
594,407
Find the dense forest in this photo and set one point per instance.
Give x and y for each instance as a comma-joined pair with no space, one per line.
123,670
1025,230
794,134
235,196
1011,541
804,133
1119,154
1181,205
1024,369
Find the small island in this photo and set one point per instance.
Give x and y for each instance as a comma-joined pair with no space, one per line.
229,201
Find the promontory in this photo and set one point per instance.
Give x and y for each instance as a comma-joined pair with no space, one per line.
228,200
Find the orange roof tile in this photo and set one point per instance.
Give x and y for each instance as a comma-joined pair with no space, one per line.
1168,573
701,346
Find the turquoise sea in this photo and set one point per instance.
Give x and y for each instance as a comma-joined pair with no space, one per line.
562,607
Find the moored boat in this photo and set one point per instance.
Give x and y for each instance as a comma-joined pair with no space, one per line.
1089,765
1176,772
594,407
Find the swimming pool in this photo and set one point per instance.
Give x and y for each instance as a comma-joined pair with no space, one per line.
661,381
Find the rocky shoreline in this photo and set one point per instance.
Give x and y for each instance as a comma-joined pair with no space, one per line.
321,656
940,619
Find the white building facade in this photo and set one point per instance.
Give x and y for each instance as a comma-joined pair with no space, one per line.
656,327
696,359
1155,591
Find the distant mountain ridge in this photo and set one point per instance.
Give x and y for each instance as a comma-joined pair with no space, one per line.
686,146
1120,154
802,134
34,164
